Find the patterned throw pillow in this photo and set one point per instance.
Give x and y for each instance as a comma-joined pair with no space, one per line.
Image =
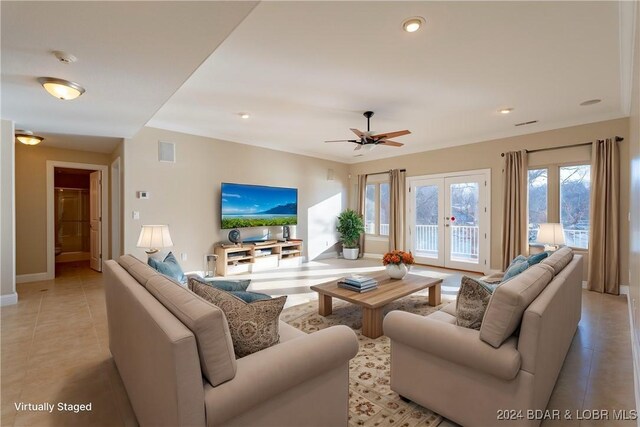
234,287
472,301
253,326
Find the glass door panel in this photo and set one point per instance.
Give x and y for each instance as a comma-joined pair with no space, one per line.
463,221
427,239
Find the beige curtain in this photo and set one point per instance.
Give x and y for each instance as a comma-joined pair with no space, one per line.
362,194
604,262
514,208
396,209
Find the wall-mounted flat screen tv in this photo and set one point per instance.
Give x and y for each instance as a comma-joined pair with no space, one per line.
257,206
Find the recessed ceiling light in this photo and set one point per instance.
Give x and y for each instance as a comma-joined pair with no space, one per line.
28,138
61,89
244,115
590,102
411,25
505,110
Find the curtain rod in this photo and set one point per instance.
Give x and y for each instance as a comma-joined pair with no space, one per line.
380,173
618,139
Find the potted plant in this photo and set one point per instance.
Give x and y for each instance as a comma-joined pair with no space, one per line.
397,263
350,227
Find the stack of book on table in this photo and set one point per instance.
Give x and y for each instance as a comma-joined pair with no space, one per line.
358,283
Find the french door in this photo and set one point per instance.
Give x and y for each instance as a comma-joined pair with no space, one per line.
448,221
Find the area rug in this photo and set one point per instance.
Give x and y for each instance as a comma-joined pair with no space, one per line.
372,403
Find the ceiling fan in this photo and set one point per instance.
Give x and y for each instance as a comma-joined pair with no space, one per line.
369,140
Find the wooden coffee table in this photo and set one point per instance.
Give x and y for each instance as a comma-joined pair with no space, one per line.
373,302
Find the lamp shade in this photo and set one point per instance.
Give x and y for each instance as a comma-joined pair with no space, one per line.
154,237
551,233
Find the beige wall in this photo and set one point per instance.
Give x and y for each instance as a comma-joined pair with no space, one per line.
7,217
634,250
31,200
186,194
486,155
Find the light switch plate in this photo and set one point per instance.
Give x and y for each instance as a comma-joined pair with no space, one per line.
135,215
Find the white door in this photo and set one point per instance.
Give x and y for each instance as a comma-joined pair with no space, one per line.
448,221
426,213
95,218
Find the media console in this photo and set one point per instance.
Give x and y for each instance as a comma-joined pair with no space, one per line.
257,256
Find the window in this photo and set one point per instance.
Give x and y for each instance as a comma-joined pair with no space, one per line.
376,209
575,188
370,209
538,200
384,209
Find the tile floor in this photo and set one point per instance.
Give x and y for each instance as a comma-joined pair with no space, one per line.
54,346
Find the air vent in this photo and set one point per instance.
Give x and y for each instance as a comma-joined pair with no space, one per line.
166,152
526,123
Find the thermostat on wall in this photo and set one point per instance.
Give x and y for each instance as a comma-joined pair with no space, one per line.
143,194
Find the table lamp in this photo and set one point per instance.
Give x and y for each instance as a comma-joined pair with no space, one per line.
552,235
154,237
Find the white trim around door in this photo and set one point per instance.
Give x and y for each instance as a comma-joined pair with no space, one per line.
51,237
442,251
115,208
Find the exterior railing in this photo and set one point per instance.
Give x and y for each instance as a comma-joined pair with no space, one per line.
465,240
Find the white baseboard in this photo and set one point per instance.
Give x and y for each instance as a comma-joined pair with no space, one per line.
35,277
635,353
8,299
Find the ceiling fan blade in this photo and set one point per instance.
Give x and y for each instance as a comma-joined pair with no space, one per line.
358,147
391,143
391,134
343,140
357,132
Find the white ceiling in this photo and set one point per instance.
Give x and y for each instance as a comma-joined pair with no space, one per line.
132,57
306,71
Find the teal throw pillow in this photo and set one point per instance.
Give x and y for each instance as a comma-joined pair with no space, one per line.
230,285
250,296
517,259
514,270
536,258
169,267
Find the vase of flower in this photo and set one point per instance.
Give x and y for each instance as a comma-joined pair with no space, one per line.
397,263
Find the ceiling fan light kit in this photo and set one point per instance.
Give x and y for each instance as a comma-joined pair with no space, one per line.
368,140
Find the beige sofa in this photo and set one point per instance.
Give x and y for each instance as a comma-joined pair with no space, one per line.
175,356
450,370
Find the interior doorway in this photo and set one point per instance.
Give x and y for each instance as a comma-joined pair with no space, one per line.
449,220
77,214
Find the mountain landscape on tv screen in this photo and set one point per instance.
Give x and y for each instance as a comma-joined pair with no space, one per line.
258,206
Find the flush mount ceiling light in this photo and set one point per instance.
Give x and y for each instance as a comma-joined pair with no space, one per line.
28,138
61,89
590,102
244,115
505,110
411,25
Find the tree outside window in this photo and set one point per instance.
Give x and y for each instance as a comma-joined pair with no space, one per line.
538,201
370,209
384,209
575,188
